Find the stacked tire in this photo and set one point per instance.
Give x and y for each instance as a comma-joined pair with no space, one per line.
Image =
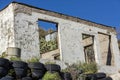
67,76
107,78
20,68
7,78
53,68
56,68
37,70
26,78
102,76
91,77
4,67
97,76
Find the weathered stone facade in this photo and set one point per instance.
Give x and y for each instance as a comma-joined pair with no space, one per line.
7,38
19,28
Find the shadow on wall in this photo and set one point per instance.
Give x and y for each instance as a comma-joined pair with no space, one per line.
109,55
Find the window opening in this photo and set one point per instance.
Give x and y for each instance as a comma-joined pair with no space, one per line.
48,36
88,42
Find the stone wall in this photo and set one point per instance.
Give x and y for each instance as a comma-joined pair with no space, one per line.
50,55
27,35
6,28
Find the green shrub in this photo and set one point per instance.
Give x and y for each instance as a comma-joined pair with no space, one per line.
15,59
46,46
3,55
34,59
51,76
85,67
89,67
11,72
50,62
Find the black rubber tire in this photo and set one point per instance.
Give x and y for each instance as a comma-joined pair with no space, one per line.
4,62
3,71
100,75
20,72
61,75
27,78
20,64
91,77
67,76
36,65
107,78
53,67
7,78
37,74
10,65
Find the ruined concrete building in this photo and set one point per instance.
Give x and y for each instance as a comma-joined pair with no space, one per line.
78,39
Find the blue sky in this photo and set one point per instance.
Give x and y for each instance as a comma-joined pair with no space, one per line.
105,12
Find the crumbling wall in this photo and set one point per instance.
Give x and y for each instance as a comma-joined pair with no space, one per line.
70,32
19,28
50,55
26,34
6,28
